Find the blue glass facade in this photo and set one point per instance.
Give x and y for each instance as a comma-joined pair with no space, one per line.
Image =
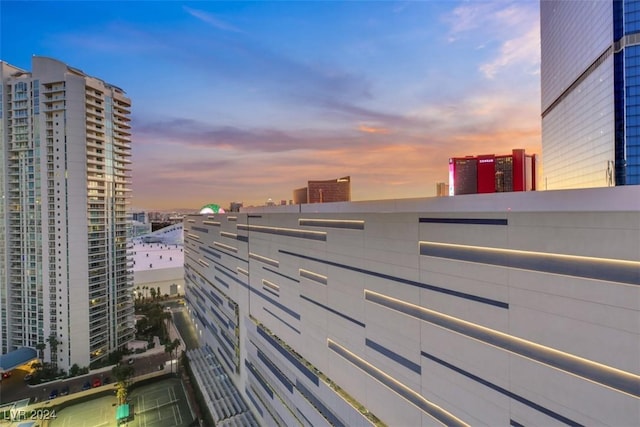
628,147
590,93
631,162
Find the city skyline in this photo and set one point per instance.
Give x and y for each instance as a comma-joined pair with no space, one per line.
243,101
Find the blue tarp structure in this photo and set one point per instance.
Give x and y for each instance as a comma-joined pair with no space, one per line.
15,358
122,413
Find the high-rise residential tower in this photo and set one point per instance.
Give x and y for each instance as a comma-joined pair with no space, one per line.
590,74
64,267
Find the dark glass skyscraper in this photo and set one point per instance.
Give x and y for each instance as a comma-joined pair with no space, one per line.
590,75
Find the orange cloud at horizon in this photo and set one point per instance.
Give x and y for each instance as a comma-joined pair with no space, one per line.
404,166
374,129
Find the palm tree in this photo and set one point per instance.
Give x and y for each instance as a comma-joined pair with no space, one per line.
40,347
152,291
170,347
122,374
168,316
53,347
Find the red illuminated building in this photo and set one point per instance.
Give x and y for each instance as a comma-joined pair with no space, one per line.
492,174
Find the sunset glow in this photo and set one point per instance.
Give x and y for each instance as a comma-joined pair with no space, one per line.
238,101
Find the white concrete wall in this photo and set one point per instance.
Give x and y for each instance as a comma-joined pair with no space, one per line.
442,339
162,278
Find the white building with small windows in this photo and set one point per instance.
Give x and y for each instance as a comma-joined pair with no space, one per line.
64,265
158,262
489,309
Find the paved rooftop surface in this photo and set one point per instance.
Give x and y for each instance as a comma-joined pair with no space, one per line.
149,256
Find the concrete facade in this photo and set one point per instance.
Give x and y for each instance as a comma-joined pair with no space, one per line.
499,309
159,264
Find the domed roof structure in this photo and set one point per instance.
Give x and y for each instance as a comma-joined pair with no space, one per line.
211,208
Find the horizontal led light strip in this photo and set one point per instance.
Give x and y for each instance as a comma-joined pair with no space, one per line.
319,278
288,232
270,285
607,376
264,259
503,391
613,270
355,224
402,390
223,246
401,280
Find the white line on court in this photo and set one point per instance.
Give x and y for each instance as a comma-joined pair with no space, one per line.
176,407
173,411
144,417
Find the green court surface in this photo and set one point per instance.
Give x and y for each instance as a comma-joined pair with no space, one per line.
159,404
100,411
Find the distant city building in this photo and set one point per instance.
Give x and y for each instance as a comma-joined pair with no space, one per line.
138,224
66,161
156,216
590,84
300,196
500,309
139,216
492,174
235,206
139,228
442,189
158,259
333,190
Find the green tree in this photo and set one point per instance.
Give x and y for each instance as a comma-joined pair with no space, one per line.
40,347
53,347
168,317
170,347
152,291
122,375
74,370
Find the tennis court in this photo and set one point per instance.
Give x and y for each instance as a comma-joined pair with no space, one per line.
98,412
160,404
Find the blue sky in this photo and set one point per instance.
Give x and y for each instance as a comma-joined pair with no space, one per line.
245,101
